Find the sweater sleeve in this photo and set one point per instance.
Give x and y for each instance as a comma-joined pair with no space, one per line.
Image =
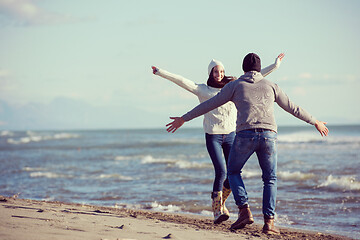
219,99
284,102
272,67
179,80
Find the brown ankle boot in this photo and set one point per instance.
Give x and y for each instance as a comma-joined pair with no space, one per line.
245,217
269,227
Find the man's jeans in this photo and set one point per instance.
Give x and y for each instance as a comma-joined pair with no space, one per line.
264,145
217,145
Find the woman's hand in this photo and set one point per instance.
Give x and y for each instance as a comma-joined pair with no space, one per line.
279,59
320,126
174,125
155,69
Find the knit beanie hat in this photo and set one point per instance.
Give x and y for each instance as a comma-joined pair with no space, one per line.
213,64
251,63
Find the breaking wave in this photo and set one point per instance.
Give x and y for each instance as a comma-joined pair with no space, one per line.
48,175
34,137
344,183
175,162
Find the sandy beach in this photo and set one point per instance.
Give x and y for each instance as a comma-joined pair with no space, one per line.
31,219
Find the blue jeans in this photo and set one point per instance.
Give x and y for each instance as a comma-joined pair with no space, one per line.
217,145
264,145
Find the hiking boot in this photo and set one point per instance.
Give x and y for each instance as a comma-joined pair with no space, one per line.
245,217
269,227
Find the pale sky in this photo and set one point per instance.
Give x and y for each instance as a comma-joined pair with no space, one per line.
100,53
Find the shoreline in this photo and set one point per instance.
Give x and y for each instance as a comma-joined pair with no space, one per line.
33,219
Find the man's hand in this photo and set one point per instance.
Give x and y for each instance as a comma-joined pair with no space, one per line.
174,125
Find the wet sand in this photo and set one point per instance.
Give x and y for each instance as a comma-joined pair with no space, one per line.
40,220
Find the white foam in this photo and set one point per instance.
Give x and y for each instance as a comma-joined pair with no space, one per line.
295,176
344,141
169,208
340,183
186,164
123,158
33,137
150,159
47,175
30,169
6,134
64,136
250,173
115,176
144,158
128,206
183,164
283,219
301,137
20,141
206,213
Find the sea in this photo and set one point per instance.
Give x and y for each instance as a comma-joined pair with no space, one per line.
318,177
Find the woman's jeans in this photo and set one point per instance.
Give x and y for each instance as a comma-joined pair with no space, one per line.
264,145
217,145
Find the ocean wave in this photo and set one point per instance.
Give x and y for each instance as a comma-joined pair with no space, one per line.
283,219
168,143
187,164
300,137
284,175
31,169
344,183
33,137
6,133
114,176
314,137
48,175
155,206
295,176
148,159
124,158
183,164
206,213
250,173
169,208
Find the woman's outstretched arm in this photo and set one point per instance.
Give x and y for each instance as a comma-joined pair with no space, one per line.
178,80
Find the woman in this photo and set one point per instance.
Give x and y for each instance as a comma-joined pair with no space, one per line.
219,126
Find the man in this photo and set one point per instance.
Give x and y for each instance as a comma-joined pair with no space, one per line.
256,131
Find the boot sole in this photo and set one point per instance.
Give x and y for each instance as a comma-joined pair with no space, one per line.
242,224
221,219
271,232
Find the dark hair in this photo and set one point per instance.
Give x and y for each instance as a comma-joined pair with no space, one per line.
216,84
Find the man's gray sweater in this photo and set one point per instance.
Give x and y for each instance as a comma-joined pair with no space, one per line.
254,99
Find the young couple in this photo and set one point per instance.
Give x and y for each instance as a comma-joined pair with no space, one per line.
238,121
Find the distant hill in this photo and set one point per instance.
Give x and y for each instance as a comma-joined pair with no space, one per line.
65,113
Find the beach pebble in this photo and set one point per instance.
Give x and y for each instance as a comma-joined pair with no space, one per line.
169,236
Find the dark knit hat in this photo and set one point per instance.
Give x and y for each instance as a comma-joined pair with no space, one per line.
251,63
